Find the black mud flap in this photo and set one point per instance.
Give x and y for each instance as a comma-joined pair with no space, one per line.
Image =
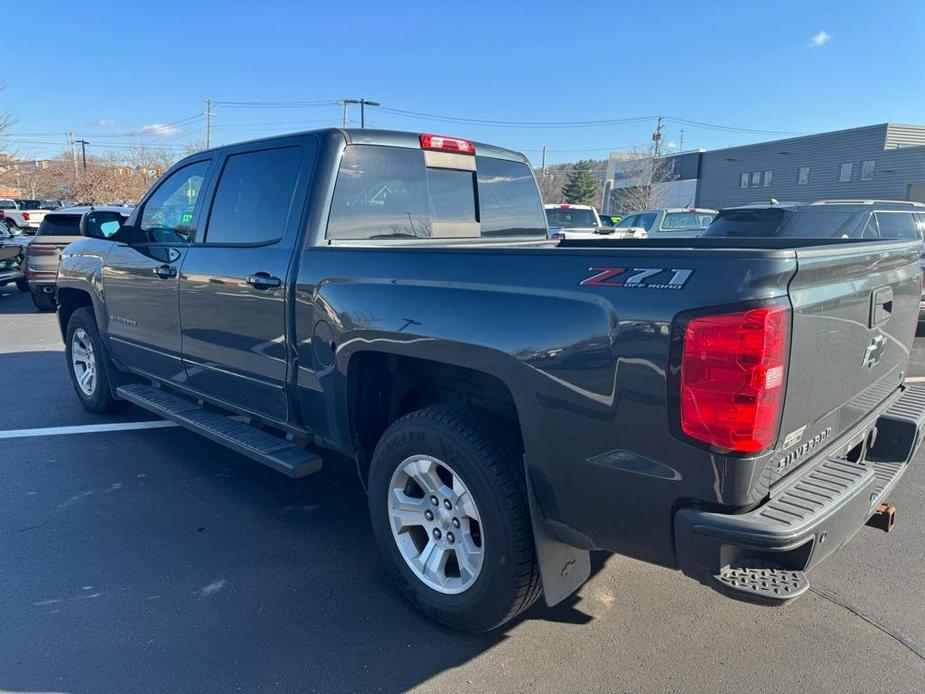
563,568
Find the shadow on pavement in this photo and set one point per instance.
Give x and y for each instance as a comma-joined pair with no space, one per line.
13,301
159,561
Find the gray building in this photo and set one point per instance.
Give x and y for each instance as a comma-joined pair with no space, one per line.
884,162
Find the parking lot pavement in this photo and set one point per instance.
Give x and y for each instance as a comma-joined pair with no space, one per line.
153,560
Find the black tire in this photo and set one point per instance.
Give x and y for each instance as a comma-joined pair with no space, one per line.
100,398
22,285
482,455
44,302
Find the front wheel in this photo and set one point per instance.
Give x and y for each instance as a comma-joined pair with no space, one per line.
448,505
87,363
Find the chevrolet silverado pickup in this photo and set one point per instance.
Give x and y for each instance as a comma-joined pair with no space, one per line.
736,410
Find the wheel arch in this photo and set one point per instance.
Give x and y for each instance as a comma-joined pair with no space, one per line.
383,386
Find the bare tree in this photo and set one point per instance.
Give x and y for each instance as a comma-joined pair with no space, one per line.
639,185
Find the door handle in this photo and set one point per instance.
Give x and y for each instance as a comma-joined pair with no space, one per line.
165,272
263,280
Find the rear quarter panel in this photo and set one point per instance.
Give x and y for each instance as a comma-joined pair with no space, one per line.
587,365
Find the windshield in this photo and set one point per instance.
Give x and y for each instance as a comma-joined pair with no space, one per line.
570,217
686,221
60,225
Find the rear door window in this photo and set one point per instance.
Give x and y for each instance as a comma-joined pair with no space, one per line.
391,193
254,196
60,225
896,225
646,220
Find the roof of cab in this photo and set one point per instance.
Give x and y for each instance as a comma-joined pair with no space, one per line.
390,138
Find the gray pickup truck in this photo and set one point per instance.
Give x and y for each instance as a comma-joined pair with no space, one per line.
736,410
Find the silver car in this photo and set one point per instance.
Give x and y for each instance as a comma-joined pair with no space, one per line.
670,222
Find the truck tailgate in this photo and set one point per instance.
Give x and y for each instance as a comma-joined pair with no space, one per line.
855,311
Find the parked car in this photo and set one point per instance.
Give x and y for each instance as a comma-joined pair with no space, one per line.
609,220
58,229
733,409
11,254
571,221
51,204
21,215
865,219
868,219
679,222
567,221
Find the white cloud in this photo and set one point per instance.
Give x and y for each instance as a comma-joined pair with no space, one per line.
104,123
822,38
158,129
671,145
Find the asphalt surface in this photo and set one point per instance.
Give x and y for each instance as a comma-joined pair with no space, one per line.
153,560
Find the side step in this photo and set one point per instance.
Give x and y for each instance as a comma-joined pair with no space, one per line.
761,581
272,451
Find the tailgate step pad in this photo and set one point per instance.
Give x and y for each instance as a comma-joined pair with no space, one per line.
762,581
273,451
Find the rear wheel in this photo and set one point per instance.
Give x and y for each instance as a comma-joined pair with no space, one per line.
87,363
449,511
44,302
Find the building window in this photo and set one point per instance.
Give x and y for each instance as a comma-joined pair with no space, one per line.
803,176
756,179
743,180
768,177
867,170
844,172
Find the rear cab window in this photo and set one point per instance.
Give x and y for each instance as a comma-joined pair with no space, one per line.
685,221
570,217
386,193
60,225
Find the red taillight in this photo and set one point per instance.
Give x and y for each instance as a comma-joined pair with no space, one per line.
25,215
733,370
447,144
564,206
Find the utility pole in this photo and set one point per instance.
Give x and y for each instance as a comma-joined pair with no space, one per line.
657,136
681,142
83,150
209,115
363,104
70,142
543,165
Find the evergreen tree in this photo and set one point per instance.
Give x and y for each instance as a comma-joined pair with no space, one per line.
581,187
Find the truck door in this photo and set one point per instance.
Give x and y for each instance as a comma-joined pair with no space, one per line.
234,281
140,275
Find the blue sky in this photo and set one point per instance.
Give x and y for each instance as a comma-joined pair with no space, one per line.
112,71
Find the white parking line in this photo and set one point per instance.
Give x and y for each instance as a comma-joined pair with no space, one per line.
85,429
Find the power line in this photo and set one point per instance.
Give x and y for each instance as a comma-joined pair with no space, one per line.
730,128
516,124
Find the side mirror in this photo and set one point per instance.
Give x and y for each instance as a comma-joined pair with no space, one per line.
100,224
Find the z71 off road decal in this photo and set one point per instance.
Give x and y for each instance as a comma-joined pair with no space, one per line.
639,277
